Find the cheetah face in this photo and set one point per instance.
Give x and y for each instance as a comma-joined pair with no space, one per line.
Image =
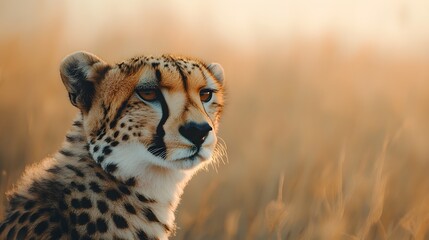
160,111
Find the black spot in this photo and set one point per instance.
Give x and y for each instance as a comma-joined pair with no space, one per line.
66,191
100,159
101,134
54,170
22,233
41,227
102,206
2,227
122,125
100,176
81,187
130,208
96,147
111,167
150,215
108,139
29,205
45,210
77,124
142,235
74,138
85,203
78,186
23,217
131,182
66,153
119,221
75,170
34,217
130,128
11,234
75,203
155,64
113,194
56,233
94,187
13,217
83,218
107,150
115,135
90,228
125,137
111,177
124,190
144,199
114,143
101,225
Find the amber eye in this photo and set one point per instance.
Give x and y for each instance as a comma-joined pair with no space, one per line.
149,95
206,95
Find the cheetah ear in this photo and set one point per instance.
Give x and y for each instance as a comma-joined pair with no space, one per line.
217,70
81,72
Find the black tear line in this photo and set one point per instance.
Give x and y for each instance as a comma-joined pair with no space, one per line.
158,147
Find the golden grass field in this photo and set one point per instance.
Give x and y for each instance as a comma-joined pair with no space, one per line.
323,141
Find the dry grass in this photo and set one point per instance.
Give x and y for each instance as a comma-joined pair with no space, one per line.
322,143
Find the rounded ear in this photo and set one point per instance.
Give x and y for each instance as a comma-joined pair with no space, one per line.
217,70
80,72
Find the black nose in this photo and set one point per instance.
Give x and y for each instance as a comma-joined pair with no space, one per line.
195,132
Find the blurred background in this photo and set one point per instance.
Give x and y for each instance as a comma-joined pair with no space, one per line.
327,117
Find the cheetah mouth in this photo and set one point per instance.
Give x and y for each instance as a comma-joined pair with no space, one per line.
192,154
193,157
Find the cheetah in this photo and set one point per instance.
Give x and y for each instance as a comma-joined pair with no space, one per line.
144,128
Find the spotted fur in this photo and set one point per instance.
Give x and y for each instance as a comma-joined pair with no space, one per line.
124,163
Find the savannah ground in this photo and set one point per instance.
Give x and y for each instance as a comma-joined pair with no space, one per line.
327,138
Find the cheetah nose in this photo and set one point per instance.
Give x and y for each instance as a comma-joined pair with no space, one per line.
195,132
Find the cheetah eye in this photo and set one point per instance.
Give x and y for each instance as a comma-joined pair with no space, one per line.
206,95
149,95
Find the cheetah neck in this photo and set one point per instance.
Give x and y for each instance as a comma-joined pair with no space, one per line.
162,185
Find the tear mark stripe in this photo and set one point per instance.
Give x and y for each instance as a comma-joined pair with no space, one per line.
158,147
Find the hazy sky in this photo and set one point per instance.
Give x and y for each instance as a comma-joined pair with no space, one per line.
398,23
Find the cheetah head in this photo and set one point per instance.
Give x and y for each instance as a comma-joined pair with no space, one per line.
159,111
